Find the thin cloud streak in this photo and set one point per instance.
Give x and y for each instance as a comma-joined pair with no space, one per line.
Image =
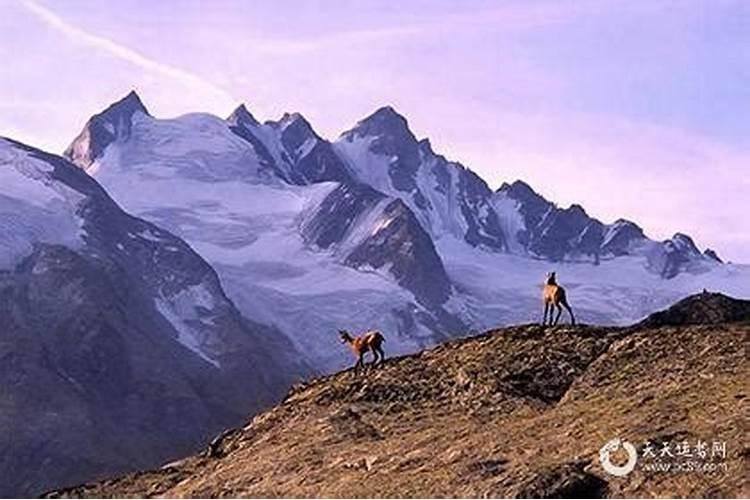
638,100
123,53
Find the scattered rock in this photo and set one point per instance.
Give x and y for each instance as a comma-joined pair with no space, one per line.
348,423
487,468
568,480
215,448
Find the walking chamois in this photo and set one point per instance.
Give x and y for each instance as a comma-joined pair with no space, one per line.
371,341
553,297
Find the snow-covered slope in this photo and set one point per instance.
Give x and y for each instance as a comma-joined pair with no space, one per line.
502,288
543,230
447,198
34,208
120,349
238,202
451,201
368,230
290,147
378,230
497,247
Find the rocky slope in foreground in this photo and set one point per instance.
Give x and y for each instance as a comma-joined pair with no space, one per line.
521,411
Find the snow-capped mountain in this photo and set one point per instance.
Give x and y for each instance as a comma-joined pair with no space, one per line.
308,257
377,230
119,348
103,129
497,247
290,147
113,327
449,199
544,230
446,197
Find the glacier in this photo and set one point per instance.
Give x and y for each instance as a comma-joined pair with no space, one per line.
301,231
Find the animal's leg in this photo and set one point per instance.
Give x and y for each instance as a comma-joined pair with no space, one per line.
374,357
382,355
360,363
559,312
570,311
544,319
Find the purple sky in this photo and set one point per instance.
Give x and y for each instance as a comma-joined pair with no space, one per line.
635,109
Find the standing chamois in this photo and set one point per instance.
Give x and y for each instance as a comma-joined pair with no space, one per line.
371,341
553,296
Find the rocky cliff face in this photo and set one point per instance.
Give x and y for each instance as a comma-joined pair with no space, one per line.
557,234
103,129
291,234
515,412
399,243
446,198
119,347
676,255
290,147
372,231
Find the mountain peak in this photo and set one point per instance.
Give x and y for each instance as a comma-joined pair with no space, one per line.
624,222
387,115
127,105
684,241
384,122
681,247
518,190
576,209
711,254
387,111
241,116
104,128
296,119
426,146
294,129
624,226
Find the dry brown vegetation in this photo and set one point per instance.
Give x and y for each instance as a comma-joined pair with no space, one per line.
520,411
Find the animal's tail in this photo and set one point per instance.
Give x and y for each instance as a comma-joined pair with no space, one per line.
380,336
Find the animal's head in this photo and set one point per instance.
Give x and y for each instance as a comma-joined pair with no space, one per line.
551,278
344,336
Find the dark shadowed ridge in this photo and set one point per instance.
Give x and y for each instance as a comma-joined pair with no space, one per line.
701,309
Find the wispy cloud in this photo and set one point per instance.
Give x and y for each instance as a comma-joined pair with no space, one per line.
121,52
509,18
638,100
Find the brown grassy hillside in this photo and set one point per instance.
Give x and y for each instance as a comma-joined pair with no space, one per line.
519,411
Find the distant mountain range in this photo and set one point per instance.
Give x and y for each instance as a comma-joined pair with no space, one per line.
180,273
